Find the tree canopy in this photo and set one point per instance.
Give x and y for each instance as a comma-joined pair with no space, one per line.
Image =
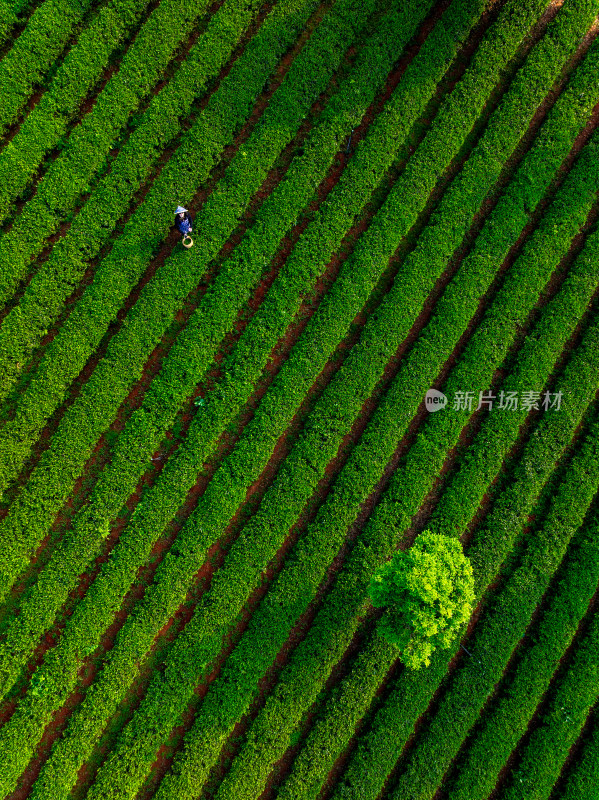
428,593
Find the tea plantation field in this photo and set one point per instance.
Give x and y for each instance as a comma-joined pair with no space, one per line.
388,323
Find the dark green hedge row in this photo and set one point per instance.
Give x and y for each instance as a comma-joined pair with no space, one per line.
77,75
11,14
8,19
188,358
99,400
500,729
581,783
68,176
35,50
394,723
44,298
570,702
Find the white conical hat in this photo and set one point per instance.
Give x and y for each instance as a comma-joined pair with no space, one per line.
180,210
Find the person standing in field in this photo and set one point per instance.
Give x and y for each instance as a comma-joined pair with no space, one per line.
183,221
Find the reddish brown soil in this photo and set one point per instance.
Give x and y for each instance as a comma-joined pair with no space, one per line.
262,289
536,721
435,701
575,753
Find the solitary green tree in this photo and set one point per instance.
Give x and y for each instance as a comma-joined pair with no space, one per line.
428,593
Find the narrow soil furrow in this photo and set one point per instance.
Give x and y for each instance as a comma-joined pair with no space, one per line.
536,720
11,33
576,752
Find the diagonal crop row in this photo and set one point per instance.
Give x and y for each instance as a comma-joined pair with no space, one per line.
96,704
69,175
565,315
8,18
571,700
240,571
49,288
115,484
501,728
581,783
76,76
393,724
34,52
161,298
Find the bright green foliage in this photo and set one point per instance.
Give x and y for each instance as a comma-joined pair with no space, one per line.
428,591
388,196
